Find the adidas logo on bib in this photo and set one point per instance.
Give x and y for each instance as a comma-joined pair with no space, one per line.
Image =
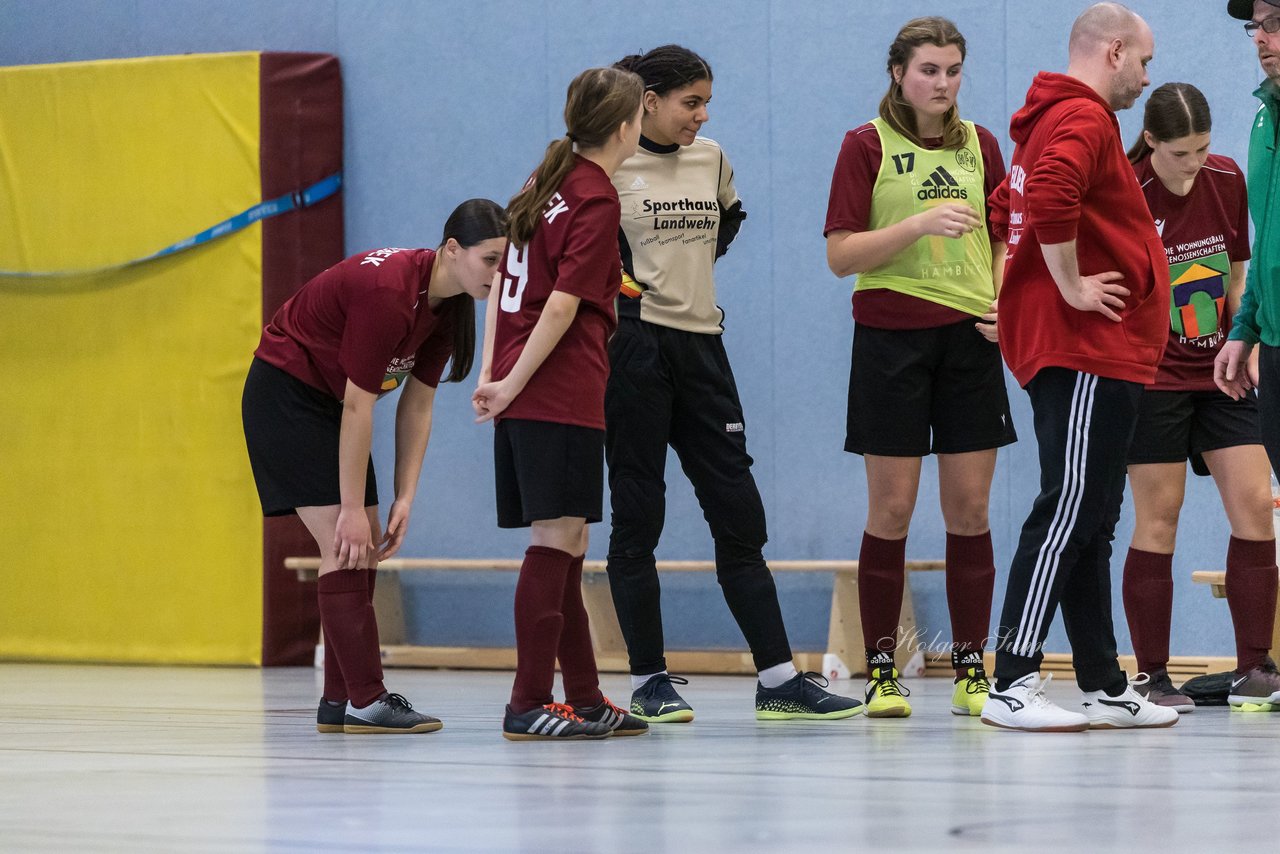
941,185
639,184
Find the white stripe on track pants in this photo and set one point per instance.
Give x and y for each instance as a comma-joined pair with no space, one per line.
1083,425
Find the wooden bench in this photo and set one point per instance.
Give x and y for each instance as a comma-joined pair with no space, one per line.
844,632
1217,582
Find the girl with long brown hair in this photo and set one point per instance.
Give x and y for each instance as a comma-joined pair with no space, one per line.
1200,207
542,383
907,215
379,321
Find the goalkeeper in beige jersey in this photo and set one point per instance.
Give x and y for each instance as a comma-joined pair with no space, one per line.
670,384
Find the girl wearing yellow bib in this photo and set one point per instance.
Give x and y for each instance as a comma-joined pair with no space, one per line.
907,215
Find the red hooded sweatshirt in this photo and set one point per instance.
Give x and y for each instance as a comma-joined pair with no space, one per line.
1070,179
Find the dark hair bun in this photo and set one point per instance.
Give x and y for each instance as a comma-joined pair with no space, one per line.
668,67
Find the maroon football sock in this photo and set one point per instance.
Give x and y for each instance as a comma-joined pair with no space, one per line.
335,687
1147,590
351,632
539,621
1251,596
971,578
577,656
881,574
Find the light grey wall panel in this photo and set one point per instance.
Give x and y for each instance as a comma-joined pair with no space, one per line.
446,100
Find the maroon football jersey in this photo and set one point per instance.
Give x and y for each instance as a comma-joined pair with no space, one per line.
366,319
1203,232
575,250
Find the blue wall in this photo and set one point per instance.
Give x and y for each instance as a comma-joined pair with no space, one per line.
447,100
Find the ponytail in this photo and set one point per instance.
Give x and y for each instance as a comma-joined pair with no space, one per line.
598,102
525,209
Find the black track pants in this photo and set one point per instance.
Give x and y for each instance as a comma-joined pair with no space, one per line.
1083,426
669,387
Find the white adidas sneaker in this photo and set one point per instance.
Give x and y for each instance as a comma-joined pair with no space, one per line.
1127,711
1024,706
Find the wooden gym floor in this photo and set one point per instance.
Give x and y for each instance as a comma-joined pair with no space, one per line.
202,759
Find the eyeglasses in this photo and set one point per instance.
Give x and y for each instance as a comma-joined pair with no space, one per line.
1268,25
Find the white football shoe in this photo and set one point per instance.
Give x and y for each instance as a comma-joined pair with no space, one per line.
1129,710
1024,706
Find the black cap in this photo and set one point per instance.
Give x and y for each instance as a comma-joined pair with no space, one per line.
1243,9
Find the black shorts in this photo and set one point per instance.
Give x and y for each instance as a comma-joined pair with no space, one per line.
913,392
291,430
1181,425
544,470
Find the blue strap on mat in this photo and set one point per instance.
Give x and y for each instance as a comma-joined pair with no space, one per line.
296,200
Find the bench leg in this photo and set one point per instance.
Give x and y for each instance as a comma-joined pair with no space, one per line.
388,605
606,635
908,641
844,633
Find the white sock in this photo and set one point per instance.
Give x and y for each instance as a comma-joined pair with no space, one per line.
772,677
638,681
351,707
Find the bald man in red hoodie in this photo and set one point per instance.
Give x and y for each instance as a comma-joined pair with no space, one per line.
1083,319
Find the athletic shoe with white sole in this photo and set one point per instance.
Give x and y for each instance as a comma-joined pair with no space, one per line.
1024,706
802,697
657,702
618,721
970,693
1160,691
1126,710
554,721
387,715
331,716
1256,691
886,696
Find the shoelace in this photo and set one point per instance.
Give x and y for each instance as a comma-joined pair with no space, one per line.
610,704
890,687
977,684
652,686
563,711
1138,680
1036,696
397,701
816,678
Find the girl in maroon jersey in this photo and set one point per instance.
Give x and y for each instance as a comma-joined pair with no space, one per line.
543,383
356,331
1200,207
